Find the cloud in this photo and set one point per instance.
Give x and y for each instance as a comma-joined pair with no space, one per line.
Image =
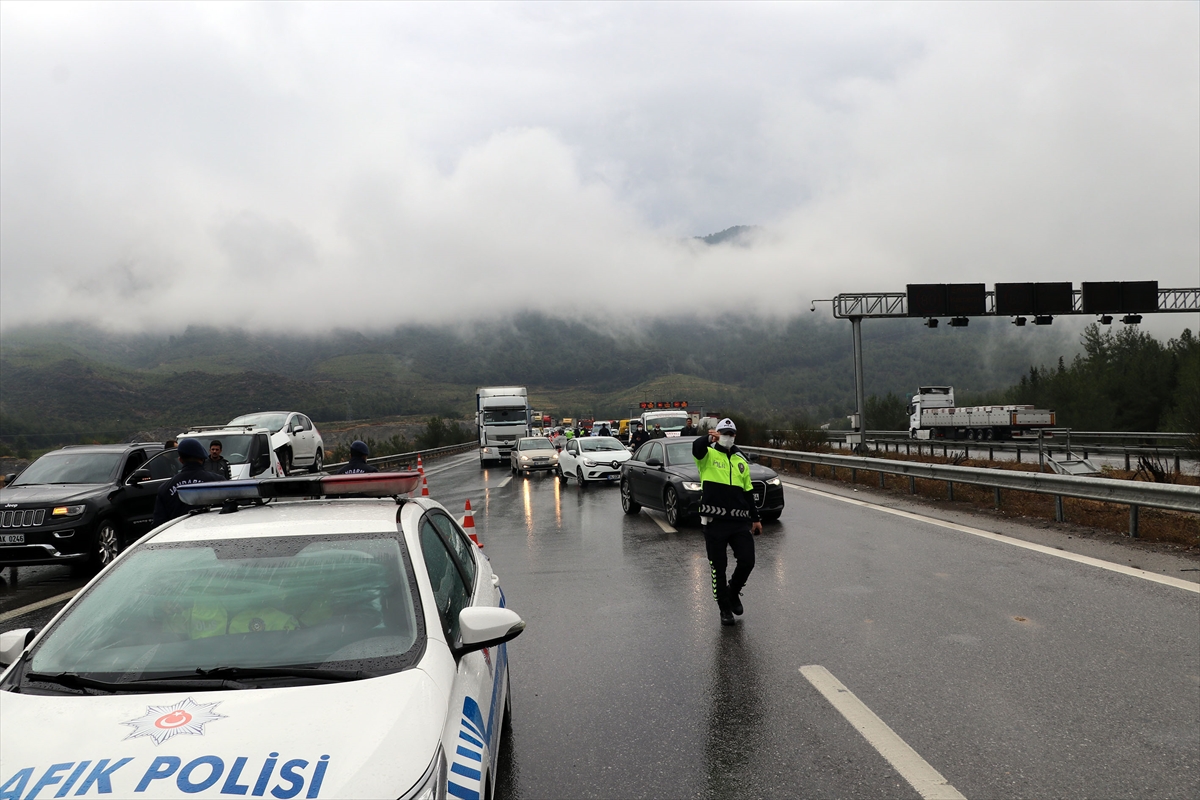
308,166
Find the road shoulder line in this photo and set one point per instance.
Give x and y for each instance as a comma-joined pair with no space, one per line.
1133,572
928,782
49,601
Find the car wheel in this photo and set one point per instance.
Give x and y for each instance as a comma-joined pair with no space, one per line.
771,516
628,504
318,462
107,545
579,477
671,506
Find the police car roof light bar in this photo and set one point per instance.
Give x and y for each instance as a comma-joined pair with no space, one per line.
380,484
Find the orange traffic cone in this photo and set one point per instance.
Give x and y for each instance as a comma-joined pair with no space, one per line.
424,486
420,465
469,525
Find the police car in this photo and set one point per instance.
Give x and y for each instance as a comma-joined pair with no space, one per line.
287,638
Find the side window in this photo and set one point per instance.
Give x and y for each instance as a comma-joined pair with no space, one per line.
259,447
164,465
655,451
306,422
462,546
135,460
449,591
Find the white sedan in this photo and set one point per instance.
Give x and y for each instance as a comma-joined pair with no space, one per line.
293,436
592,458
339,648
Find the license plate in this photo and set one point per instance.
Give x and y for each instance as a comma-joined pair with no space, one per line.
611,477
12,538
757,498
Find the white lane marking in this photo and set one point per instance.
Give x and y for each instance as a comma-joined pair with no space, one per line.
49,601
928,782
1133,572
502,483
662,523
446,466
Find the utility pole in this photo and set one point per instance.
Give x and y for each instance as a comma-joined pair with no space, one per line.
860,424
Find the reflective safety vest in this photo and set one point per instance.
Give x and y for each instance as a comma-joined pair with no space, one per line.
725,483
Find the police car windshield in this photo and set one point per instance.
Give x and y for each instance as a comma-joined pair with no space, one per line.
234,449
332,602
600,444
69,466
272,422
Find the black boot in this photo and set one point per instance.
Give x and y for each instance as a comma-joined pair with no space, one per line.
727,617
735,602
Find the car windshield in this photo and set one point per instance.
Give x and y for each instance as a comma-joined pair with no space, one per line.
68,466
272,422
672,423
503,416
680,453
535,444
341,602
600,444
235,449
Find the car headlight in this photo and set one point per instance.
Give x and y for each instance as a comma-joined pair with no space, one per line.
524,458
691,487
487,449
774,482
68,511
432,785
554,457
587,462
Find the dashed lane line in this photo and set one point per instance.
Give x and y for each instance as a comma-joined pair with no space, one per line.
49,601
662,523
928,782
1134,572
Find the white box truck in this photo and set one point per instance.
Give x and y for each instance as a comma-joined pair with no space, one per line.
933,415
671,421
502,414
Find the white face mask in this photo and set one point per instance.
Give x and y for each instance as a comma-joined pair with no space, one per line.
725,441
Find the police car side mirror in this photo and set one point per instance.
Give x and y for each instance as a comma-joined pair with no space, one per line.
138,476
13,643
483,627
753,457
653,462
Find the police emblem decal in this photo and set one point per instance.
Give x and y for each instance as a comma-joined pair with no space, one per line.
741,467
162,722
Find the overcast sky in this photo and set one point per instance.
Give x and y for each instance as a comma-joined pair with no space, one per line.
296,166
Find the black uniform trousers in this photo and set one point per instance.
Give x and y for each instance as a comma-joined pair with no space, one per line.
735,535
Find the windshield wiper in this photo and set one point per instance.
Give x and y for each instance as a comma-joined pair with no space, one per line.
243,673
73,680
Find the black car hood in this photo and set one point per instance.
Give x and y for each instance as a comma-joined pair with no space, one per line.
689,472
51,492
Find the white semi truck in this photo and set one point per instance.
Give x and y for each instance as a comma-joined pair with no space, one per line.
671,421
933,415
502,415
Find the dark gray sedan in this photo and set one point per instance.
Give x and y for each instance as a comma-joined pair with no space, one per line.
662,475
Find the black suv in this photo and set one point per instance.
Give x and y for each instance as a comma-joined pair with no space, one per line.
82,505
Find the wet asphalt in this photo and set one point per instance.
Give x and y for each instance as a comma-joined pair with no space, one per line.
1013,673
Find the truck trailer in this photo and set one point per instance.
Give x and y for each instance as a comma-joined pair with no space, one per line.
502,414
933,415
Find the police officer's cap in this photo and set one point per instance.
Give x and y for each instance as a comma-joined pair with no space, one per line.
359,448
191,448
726,425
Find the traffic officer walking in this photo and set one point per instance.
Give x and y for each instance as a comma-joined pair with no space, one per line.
357,465
167,505
728,512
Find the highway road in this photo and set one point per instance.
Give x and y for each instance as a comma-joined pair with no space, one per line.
885,652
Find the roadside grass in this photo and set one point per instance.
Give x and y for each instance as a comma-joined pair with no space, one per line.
1154,525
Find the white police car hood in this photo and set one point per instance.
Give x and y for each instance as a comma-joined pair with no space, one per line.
358,739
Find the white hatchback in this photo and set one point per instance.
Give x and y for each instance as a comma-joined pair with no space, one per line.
315,648
592,458
293,436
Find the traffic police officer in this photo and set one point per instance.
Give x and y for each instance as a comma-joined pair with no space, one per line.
728,512
357,465
167,505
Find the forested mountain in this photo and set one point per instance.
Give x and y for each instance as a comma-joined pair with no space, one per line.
81,380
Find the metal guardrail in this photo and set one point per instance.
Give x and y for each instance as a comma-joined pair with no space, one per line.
1097,435
1134,494
449,449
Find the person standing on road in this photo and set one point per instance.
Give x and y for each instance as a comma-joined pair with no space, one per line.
689,429
639,437
605,430
658,432
357,465
216,463
167,505
728,512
